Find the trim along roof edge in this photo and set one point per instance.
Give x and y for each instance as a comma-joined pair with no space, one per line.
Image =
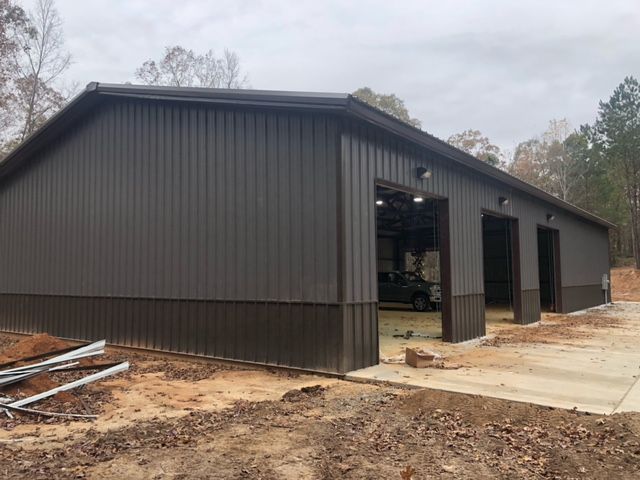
282,99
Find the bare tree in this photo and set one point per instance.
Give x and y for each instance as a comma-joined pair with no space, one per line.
559,165
13,24
232,76
180,67
39,64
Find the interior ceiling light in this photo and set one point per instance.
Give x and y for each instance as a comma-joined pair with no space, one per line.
550,217
379,202
503,200
418,199
423,173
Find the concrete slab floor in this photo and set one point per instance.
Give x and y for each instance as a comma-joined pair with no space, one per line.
592,364
396,319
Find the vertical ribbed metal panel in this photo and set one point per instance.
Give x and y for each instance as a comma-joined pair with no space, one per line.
369,154
163,206
583,296
240,233
158,200
530,306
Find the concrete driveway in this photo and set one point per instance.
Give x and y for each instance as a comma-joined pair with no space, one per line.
589,361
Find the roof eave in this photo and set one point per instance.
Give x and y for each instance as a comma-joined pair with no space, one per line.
41,135
372,115
333,102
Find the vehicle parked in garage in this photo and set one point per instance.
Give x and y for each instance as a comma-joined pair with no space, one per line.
409,287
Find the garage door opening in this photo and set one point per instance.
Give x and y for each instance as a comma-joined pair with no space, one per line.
499,268
548,270
408,270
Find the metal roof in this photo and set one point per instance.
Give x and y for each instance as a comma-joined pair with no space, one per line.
337,102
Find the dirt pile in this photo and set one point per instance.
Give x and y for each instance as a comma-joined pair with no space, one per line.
33,345
299,395
625,284
352,432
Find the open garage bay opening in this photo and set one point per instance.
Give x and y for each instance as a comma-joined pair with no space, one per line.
408,268
548,270
499,268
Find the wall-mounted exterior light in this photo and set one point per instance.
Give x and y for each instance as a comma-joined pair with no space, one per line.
379,203
418,199
550,217
503,201
423,173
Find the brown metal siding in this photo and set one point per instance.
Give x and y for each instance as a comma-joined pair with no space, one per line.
360,336
369,154
164,201
530,306
160,213
579,297
299,335
242,233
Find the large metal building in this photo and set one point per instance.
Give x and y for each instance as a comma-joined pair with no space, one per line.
242,224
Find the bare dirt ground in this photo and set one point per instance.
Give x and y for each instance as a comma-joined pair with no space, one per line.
171,418
184,419
625,284
341,430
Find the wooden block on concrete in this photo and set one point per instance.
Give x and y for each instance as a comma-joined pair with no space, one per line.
418,358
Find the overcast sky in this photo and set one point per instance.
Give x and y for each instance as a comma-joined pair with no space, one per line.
503,67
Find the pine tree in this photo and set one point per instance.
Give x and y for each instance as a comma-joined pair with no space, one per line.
618,135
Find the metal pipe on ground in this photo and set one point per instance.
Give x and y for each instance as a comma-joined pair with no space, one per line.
121,367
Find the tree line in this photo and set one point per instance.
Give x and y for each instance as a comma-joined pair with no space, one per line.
595,166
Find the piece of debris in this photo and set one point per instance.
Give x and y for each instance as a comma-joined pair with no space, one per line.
55,357
296,395
407,473
393,359
419,358
45,414
59,362
410,333
69,386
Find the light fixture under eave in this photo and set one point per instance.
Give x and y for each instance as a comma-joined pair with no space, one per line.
423,173
550,217
503,200
379,202
418,199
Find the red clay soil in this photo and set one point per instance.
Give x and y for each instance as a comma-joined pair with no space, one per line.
625,284
30,346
